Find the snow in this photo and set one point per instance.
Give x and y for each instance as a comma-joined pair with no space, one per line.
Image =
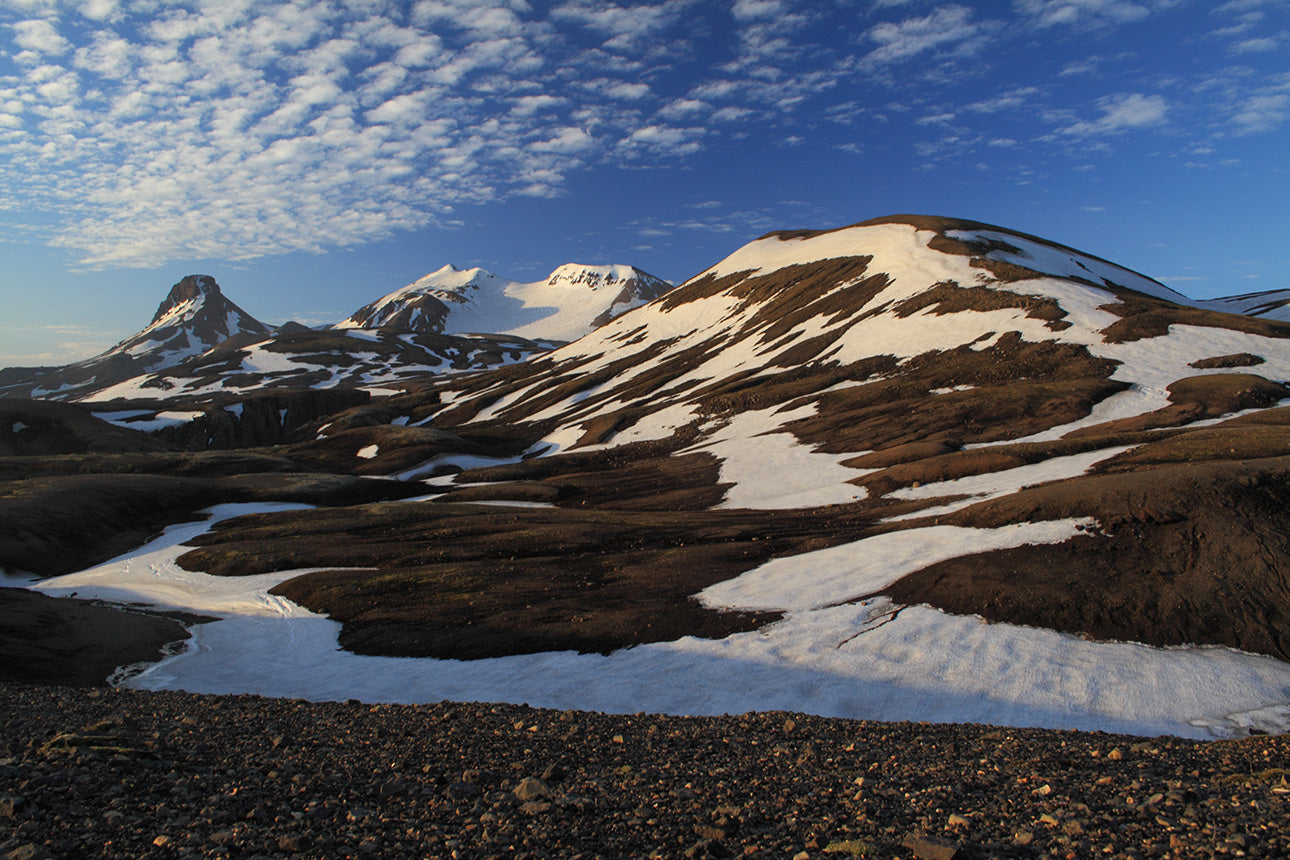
869,660
40,391
772,470
815,580
18,427
993,485
258,359
120,416
1051,260
453,462
368,452
156,422
561,307
1273,305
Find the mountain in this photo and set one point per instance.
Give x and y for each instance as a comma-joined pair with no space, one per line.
1272,304
913,468
913,454
194,317
572,301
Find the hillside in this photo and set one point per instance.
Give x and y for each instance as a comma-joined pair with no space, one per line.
915,468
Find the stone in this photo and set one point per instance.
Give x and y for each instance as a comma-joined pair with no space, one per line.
531,788
11,805
393,787
926,848
29,851
462,789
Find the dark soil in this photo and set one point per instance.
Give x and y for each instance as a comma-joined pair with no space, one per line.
1192,553
76,642
1145,316
1018,388
466,581
90,774
42,427
1239,359
54,525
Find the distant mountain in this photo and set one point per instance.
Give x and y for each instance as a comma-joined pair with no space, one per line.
200,344
194,317
1273,304
573,300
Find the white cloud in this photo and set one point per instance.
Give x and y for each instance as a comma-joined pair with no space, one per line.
1049,13
235,129
628,91
625,28
567,140
531,105
748,10
98,10
39,36
936,119
678,108
1262,113
1121,113
1013,98
660,139
731,114
1257,45
946,28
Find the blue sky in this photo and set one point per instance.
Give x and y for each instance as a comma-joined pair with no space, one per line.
314,155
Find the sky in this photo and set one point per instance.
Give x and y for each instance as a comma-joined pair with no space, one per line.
313,156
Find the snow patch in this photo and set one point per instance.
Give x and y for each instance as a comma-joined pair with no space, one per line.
826,577
870,660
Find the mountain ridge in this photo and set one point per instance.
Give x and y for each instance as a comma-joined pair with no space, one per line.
886,470
570,302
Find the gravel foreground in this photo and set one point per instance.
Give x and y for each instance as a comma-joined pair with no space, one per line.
116,773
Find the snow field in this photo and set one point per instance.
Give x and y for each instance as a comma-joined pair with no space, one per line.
867,661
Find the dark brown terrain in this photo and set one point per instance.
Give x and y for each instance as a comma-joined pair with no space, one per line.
118,774
1186,543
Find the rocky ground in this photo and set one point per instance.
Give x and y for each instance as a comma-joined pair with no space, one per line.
110,773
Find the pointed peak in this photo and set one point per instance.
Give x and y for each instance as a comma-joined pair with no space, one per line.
194,286
191,287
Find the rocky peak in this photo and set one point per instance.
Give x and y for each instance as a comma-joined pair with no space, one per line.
190,288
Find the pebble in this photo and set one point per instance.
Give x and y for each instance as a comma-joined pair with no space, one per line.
124,774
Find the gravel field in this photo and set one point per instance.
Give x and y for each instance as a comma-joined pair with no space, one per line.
115,773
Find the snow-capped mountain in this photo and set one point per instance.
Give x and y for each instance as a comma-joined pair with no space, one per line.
194,317
1272,304
959,299
572,301
913,468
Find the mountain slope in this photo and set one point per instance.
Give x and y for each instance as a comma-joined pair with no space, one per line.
1273,304
572,301
830,428
194,317
915,468
964,307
